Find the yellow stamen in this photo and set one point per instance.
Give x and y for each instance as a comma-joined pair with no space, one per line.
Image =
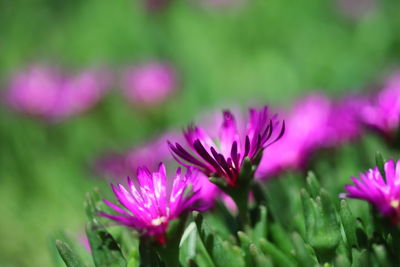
395,204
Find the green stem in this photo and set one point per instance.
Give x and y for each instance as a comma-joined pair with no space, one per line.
241,200
170,255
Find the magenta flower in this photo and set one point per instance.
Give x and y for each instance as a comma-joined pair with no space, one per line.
150,206
223,155
355,9
344,122
383,112
315,122
385,195
156,5
305,131
44,92
149,84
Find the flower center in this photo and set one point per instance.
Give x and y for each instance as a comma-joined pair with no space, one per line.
158,221
395,204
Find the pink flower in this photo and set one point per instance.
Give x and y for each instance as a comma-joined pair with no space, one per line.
315,122
119,165
149,84
356,8
305,130
44,92
344,123
383,194
223,155
149,206
382,113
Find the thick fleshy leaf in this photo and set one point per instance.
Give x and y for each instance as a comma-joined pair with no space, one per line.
105,250
187,246
304,253
259,258
91,204
349,223
381,255
219,252
148,254
359,258
380,163
313,187
342,261
260,229
245,243
322,228
279,257
280,238
69,257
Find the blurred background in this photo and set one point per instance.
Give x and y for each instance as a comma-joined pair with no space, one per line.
208,55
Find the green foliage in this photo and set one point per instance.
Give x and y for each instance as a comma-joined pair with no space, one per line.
269,51
105,249
69,257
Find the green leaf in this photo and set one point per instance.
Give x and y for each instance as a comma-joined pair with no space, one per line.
148,254
362,237
259,259
246,173
221,183
91,203
309,210
359,258
349,223
68,256
260,229
245,243
381,255
280,237
220,253
342,261
187,246
105,250
322,228
313,187
279,258
304,253
380,163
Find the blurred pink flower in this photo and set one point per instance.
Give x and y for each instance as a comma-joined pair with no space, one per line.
149,84
305,129
156,5
45,92
382,113
315,122
119,165
344,122
355,8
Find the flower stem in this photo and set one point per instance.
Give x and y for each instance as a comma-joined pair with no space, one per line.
240,197
170,255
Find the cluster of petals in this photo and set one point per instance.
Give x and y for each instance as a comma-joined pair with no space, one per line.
150,83
222,156
382,113
315,122
45,92
384,194
150,206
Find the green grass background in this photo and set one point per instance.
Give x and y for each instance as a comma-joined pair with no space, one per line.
259,52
